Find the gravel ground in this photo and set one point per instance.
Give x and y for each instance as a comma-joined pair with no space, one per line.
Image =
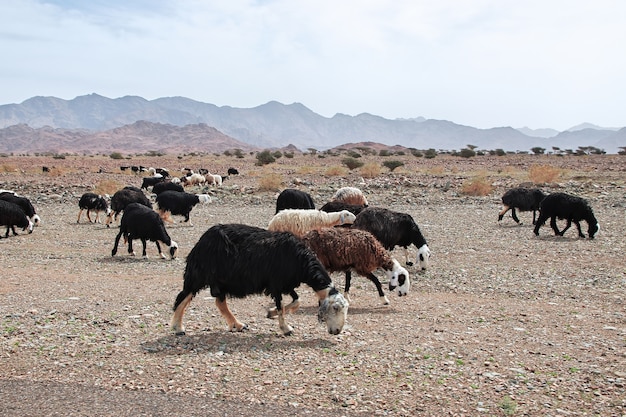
502,323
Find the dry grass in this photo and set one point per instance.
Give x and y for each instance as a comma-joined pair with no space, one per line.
544,174
270,182
107,187
336,171
370,170
477,187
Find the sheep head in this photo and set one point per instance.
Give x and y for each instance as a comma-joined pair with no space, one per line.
173,250
423,257
333,310
204,198
346,217
399,279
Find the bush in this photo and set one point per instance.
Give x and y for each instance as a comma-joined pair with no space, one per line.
336,171
116,155
478,187
430,153
264,157
353,154
107,187
370,170
384,152
270,182
351,163
393,164
467,153
542,174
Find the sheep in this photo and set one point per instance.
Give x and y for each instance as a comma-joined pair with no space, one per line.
350,195
194,179
291,198
93,202
24,203
333,206
237,260
568,207
167,186
12,215
233,171
345,250
217,179
151,181
393,229
124,197
177,203
141,222
523,199
300,221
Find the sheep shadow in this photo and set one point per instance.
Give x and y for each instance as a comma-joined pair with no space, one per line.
229,342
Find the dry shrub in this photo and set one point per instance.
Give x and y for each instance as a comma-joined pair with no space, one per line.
544,174
336,171
305,169
270,182
107,187
371,170
8,168
478,187
437,170
56,172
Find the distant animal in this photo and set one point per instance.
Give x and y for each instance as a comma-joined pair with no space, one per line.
177,203
23,202
193,179
347,250
12,215
151,181
393,228
300,221
93,202
45,169
567,207
141,222
233,171
291,198
523,199
167,186
350,195
124,197
236,260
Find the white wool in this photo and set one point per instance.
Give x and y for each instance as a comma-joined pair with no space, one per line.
350,195
300,221
204,198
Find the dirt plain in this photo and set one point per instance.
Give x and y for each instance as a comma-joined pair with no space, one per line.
502,322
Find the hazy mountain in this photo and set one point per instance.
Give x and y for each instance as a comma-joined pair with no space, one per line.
583,126
271,125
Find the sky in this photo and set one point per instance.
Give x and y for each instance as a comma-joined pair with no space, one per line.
482,63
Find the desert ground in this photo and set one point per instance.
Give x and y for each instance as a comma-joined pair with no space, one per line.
502,323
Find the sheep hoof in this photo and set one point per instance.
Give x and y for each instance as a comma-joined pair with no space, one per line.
409,263
180,333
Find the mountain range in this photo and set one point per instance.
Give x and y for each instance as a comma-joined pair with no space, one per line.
93,123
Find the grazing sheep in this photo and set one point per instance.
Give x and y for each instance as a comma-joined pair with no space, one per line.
123,198
523,199
350,195
151,181
232,171
177,203
347,250
236,260
12,215
334,206
194,179
570,208
141,222
23,202
217,179
300,221
167,186
93,202
393,229
291,198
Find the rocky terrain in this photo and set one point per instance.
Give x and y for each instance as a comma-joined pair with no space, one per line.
502,322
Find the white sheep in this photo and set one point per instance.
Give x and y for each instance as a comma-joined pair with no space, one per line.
194,179
300,221
350,195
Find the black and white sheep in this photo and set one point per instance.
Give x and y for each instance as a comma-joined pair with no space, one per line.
233,171
176,203
522,199
350,195
24,204
392,229
151,181
236,260
334,206
93,202
12,215
292,198
347,250
300,221
567,207
141,222
167,186
123,198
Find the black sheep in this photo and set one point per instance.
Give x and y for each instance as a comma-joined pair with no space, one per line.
167,186
232,171
393,229
124,197
567,207
334,206
523,199
151,181
24,204
93,202
291,198
12,215
141,222
236,260
177,203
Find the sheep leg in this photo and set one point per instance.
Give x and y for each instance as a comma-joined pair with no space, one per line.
346,288
284,327
503,212
567,226
158,245
580,232
379,288
130,247
88,216
406,256
79,214
144,244
291,307
534,215
555,227
117,241
177,319
234,325
514,215
540,221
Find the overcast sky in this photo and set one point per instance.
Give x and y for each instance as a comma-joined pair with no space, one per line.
482,63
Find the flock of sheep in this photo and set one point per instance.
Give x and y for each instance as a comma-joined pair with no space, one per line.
301,244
